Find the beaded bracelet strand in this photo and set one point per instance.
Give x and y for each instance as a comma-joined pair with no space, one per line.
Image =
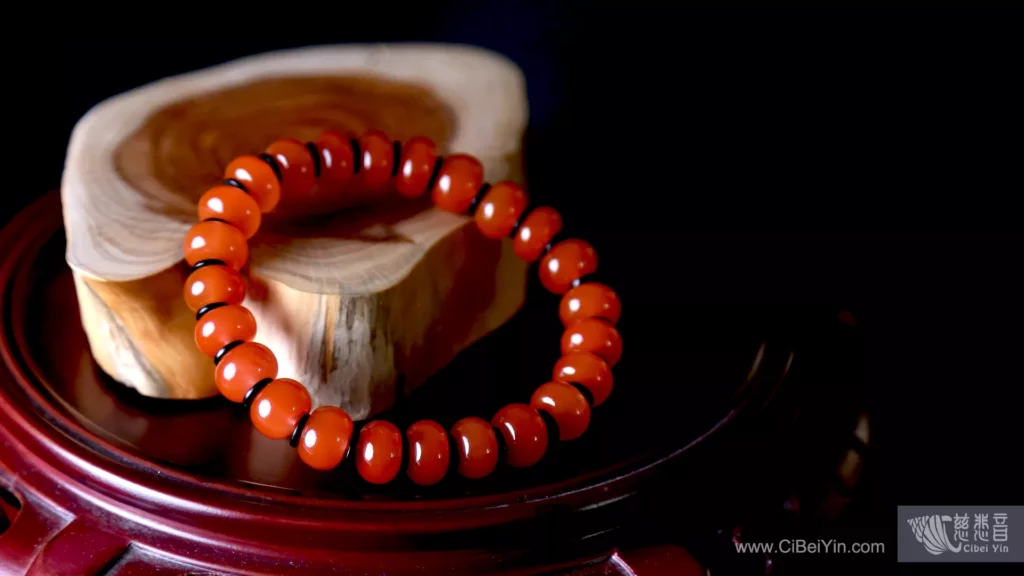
281,408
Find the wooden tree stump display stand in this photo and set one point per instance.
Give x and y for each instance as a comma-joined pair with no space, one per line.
348,289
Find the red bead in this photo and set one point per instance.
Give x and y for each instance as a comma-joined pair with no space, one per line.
379,452
378,157
533,235
590,300
525,434
566,405
587,370
233,206
325,438
428,460
500,209
298,174
222,326
216,241
459,180
419,155
337,160
259,180
211,284
478,447
242,367
277,409
565,263
596,336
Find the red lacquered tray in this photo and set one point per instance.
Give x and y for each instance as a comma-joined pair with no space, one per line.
97,479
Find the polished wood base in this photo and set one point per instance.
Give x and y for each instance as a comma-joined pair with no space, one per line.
97,479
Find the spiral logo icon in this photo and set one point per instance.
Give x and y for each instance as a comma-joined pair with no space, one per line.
931,531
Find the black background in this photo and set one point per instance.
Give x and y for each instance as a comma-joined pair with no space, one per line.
862,160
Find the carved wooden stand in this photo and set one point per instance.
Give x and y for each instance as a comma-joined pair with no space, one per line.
99,480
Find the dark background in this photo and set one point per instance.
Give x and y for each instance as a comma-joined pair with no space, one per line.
868,161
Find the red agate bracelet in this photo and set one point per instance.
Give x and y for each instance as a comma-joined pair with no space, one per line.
280,408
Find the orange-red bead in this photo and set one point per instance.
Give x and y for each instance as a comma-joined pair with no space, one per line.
259,180
378,156
216,241
325,438
379,452
298,174
222,326
588,370
565,263
593,335
590,300
566,405
525,434
500,209
242,367
478,447
459,180
211,284
429,452
337,160
419,155
533,235
233,206
277,409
